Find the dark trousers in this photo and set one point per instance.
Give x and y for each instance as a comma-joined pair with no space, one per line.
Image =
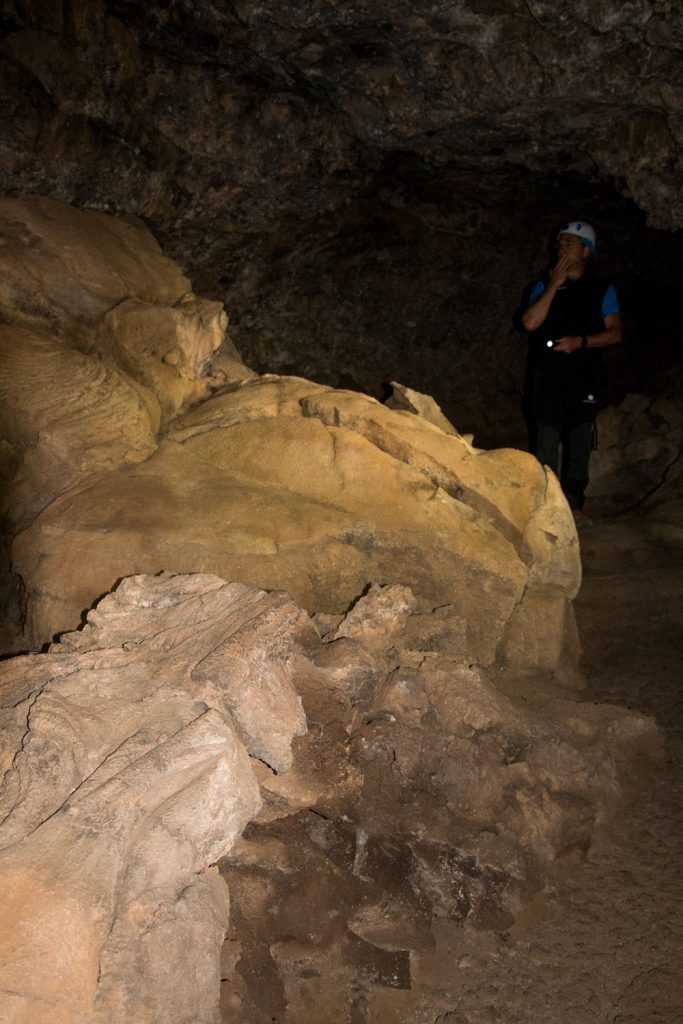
576,439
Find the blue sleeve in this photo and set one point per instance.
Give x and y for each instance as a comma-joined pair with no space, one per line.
537,291
610,303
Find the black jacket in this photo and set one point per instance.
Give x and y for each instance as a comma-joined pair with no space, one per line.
575,310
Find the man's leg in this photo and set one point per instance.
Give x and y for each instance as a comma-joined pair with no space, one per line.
577,444
548,445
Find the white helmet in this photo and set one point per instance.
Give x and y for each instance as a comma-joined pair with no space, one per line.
586,232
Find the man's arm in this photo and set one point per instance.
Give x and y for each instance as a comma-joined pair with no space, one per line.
535,315
611,335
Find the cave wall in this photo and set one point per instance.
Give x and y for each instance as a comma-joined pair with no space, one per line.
368,188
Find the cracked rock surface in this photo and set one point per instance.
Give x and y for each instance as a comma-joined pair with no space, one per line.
126,775
390,785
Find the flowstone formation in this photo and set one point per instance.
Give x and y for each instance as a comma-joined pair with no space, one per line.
275,482
385,783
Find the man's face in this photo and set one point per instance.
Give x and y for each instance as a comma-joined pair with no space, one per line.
573,248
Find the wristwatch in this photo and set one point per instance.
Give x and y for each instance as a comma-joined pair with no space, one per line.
584,342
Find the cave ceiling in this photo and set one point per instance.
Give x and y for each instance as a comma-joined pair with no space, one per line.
246,132
241,112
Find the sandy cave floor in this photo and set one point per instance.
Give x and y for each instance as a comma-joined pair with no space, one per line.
603,943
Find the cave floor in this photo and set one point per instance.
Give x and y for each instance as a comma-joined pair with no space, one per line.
603,942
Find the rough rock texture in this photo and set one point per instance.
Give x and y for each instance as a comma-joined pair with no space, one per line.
422,798
417,792
640,442
102,340
486,83
369,188
126,774
285,484
276,482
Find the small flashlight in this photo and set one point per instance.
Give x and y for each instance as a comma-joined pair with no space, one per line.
550,344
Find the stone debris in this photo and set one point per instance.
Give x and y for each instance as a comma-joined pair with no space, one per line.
186,710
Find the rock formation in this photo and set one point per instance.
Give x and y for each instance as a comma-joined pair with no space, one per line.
276,482
640,441
132,757
379,696
126,774
102,342
327,714
287,484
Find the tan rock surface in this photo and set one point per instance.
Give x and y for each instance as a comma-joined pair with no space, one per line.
101,342
100,286
73,265
284,484
417,792
127,773
275,482
68,416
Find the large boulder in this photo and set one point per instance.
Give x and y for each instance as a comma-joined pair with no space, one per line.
285,484
138,445
102,341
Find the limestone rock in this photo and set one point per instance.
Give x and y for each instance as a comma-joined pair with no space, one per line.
497,105
321,498
377,616
84,886
69,267
277,482
124,778
102,286
101,342
639,440
65,416
433,796
427,793
422,405
170,349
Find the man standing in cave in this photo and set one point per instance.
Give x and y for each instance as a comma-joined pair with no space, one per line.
570,316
